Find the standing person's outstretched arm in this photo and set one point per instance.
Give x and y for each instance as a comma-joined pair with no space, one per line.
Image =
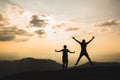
91,40
58,50
71,52
76,40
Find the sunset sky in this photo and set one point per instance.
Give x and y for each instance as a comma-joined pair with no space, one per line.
35,28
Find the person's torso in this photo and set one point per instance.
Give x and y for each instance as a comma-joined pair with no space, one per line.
65,52
83,47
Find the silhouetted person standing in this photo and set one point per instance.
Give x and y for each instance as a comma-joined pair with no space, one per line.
65,56
83,49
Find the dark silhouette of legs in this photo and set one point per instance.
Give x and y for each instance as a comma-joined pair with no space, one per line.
86,54
89,59
78,59
65,65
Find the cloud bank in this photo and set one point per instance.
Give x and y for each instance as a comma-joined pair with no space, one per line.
40,32
109,23
36,22
72,29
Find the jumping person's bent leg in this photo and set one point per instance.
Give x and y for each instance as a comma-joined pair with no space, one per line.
89,59
78,59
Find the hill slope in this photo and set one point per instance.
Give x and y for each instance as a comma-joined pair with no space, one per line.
27,64
99,71
85,73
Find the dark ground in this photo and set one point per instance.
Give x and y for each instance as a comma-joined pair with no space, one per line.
85,73
45,69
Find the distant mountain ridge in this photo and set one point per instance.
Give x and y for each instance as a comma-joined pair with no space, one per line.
96,72
37,65
27,64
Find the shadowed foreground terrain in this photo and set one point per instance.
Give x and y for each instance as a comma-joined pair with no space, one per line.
99,71
27,64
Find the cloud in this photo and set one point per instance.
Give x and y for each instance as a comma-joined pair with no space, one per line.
40,32
6,1
72,29
61,25
5,36
15,8
10,33
36,22
22,32
109,23
14,30
3,20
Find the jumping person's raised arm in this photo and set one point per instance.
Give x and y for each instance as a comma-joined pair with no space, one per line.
91,40
76,40
58,50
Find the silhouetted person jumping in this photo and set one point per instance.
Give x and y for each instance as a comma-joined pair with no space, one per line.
65,56
83,50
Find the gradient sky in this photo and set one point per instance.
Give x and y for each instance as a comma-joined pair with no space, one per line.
35,28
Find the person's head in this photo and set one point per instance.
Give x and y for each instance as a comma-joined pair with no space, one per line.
83,40
65,46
